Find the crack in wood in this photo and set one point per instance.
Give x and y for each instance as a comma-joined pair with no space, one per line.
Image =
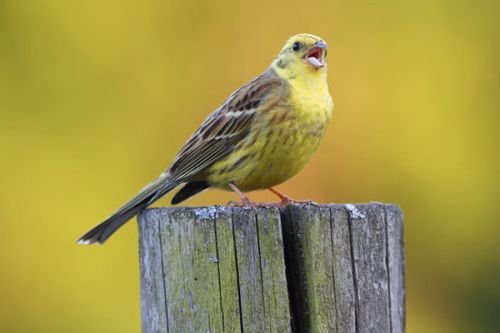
237,274
163,274
387,265
355,284
218,272
331,220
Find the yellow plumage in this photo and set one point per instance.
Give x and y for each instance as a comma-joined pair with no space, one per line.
283,148
262,135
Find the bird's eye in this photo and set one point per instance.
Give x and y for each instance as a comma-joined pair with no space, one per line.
296,46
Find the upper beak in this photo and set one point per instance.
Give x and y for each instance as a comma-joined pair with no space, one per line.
322,45
316,54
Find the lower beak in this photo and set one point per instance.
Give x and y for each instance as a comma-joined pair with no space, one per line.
316,54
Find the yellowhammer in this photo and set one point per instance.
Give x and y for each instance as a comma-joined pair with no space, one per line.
263,134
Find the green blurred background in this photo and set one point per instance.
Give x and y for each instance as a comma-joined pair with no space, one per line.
96,97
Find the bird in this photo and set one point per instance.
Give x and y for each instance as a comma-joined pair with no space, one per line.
264,133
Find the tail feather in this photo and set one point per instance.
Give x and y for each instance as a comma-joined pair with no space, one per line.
152,192
103,231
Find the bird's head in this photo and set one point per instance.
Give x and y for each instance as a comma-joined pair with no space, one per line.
303,54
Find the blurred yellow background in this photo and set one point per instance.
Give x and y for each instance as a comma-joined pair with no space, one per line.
96,97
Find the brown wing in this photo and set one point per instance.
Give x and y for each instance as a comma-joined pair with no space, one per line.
225,127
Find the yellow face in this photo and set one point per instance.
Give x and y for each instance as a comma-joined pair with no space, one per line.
302,53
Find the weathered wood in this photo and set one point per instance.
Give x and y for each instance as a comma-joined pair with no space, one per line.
272,265
153,302
395,244
228,278
343,273
371,280
310,268
300,268
261,270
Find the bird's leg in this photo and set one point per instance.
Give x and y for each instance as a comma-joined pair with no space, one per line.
285,199
244,199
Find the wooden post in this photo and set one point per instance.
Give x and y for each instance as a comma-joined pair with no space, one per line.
299,268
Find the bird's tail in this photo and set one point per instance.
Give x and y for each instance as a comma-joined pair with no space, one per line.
152,192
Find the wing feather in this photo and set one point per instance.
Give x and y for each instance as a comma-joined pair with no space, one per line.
225,127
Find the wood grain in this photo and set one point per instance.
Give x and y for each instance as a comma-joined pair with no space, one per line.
299,268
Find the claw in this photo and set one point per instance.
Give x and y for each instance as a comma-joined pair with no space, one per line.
297,202
286,200
233,203
253,204
245,202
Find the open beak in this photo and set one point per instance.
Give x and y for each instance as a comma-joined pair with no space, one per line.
316,54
